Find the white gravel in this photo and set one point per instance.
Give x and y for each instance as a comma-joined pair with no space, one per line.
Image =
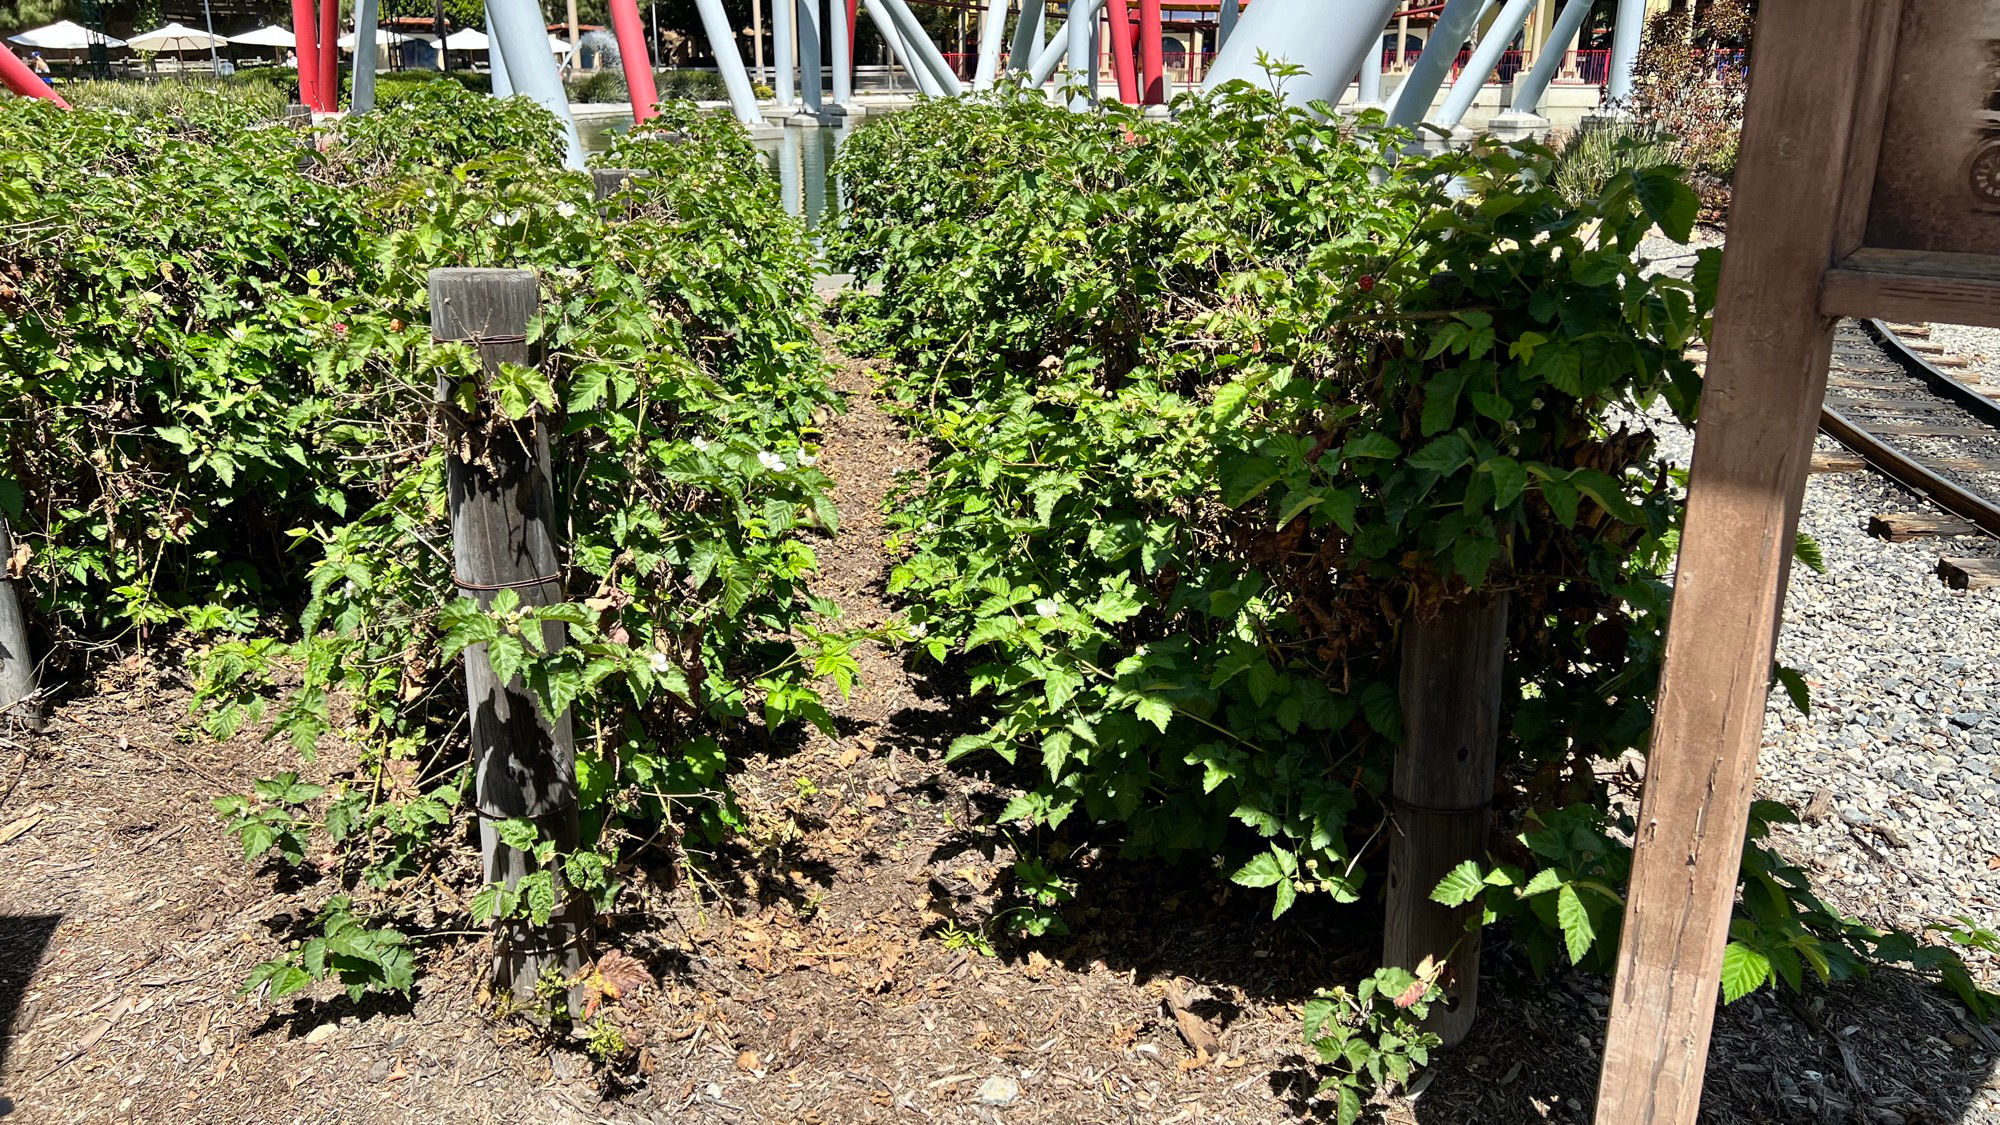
1899,760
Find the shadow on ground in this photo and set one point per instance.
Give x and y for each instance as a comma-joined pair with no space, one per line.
24,938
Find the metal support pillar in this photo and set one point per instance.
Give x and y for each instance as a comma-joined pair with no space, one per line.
1485,57
784,60
365,22
729,60
812,78
632,58
921,46
1082,62
839,46
1123,68
1152,55
1328,40
991,31
496,62
1029,31
1528,92
901,51
1625,39
523,36
1369,95
1058,46
1226,18
1412,102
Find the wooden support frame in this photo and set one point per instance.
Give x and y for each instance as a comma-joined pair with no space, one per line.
1825,88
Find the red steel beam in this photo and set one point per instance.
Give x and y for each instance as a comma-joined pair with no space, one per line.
16,76
1152,60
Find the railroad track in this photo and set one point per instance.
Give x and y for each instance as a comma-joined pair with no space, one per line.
1919,418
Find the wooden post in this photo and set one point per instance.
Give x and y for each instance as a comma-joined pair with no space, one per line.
1759,408
18,705
503,538
1442,794
607,184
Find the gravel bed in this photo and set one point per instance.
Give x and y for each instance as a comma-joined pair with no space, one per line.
1897,767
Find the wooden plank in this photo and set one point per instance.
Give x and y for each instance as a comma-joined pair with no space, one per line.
1961,464
1760,405
1837,462
1969,574
18,702
1443,795
503,536
1906,407
1932,429
1901,527
1849,291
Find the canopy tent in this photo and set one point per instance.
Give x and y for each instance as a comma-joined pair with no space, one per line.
64,35
560,46
271,36
383,38
466,39
176,37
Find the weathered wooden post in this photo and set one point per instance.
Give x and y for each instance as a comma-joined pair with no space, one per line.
607,184
1442,793
17,669
503,538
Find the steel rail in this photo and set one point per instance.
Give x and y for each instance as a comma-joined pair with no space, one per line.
1901,467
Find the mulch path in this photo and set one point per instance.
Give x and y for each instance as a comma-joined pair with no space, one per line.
825,968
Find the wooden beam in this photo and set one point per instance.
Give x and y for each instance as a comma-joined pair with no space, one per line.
1759,410
1901,527
1851,291
1969,574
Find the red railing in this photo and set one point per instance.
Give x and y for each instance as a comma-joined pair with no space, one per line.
1587,68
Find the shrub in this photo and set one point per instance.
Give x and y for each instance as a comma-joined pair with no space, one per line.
220,387
225,105
599,86
690,85
1598,152
1216,405
1688,87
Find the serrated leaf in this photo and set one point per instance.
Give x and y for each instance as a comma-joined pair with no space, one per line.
1575,922
1744,970
1463,884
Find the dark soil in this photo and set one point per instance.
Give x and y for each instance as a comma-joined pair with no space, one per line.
829,968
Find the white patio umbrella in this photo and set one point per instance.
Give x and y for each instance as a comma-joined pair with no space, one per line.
466,39
560,46
176,37
272,36
64,35
383,38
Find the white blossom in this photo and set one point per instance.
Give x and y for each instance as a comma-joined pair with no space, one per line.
806,460
771,461
1048,607
659,661
700,445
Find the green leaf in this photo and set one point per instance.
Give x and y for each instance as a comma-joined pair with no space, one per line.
1575,923
1441,456
1266,869
519,834
1667,201
1509,479
1461,886
1795,687
1744,970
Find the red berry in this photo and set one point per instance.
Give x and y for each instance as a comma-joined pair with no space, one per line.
1367,283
